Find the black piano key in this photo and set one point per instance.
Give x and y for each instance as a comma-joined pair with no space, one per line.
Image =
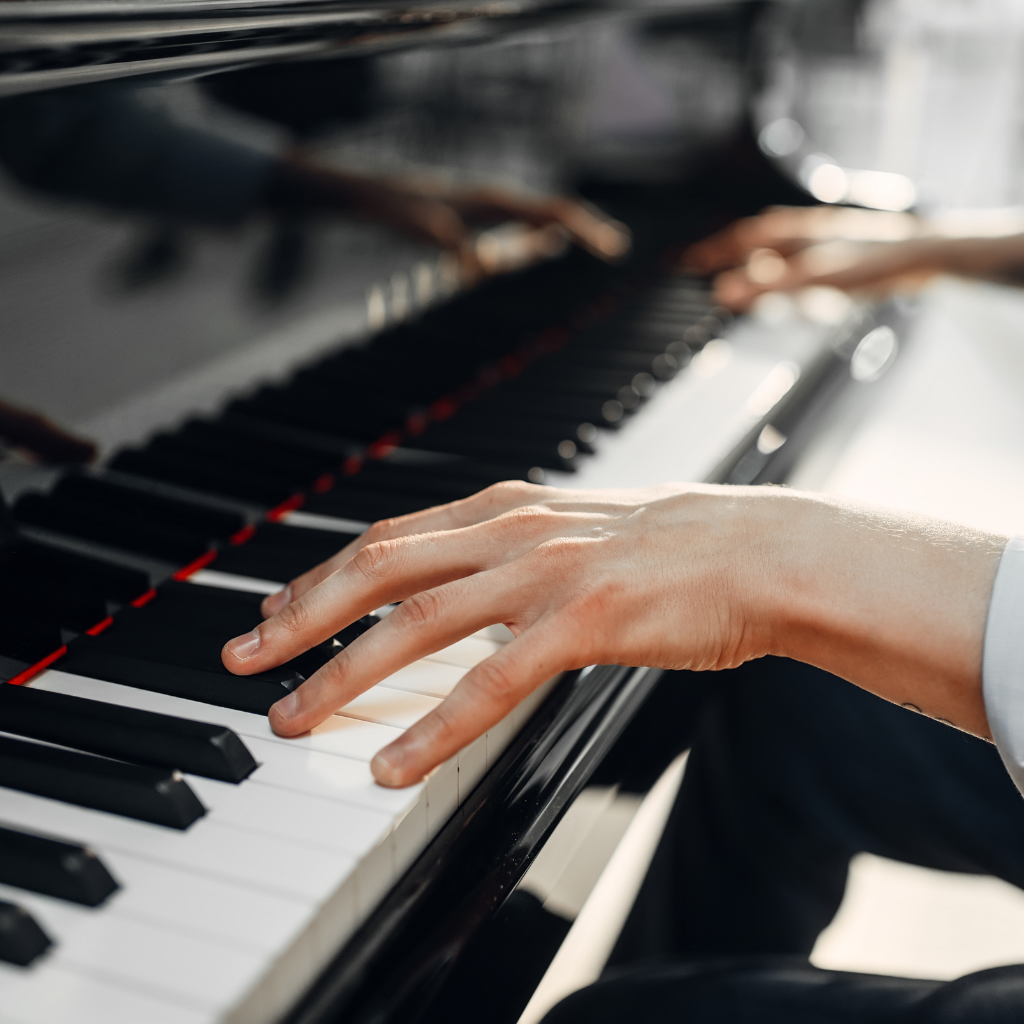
279,552
287,460
118,529
204,474
201,520
267,561
527,401
21,939
114,582
447,437
365,504
28,640
255,694
66,871
142,737
484,422
132,791
53,600
256,431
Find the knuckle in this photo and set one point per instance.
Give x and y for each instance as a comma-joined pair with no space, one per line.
422,610
494,678
375,560
294,617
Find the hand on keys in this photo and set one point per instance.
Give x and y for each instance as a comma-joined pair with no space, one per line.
677,576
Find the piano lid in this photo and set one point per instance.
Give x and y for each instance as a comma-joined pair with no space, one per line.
49,44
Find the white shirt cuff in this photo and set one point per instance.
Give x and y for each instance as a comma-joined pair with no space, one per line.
1003,660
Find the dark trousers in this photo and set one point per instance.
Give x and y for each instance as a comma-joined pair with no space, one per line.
791,773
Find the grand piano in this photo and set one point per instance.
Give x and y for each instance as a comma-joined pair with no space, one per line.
163,856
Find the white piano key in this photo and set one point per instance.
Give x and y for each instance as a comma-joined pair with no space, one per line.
52,994
299,817
327,775
409,834
315,521
219,850
499,633
472,766
467,652
386,706
232,581
374,877
169,963
340,734
442,794
430,678
221,909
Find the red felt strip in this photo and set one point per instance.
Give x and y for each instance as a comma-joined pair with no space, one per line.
193,567
33,670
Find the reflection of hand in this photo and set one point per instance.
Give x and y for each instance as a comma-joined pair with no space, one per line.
445,215
40,438
784,249
679,576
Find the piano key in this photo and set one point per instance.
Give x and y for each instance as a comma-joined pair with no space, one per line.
428,677
217,850
341,737
275,559
193,902
384,705
210,475
229,581
300,817
149,794
74,607
179,967
245,693
278,457
114,731
67,871
28,640
328,775
201,520
21,938
467,652
340,734
115,582
305,520
109,526
54,994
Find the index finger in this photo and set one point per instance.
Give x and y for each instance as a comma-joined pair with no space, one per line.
477,508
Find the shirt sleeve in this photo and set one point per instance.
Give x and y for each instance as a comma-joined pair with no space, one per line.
1003,660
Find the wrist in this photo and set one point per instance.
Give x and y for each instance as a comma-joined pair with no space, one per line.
893,602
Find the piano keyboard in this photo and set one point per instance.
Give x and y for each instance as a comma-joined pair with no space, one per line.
164,857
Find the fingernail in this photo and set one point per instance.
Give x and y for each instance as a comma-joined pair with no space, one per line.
275,602
243,647
386,765
287,707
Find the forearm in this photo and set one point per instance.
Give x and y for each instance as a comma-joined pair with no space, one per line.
989,259
892,602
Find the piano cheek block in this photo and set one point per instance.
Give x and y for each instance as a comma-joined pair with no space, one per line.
21,939
146,794
254,694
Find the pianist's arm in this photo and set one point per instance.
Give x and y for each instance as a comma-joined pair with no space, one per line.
784,248
679,576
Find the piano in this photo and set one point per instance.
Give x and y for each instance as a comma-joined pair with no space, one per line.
164,857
